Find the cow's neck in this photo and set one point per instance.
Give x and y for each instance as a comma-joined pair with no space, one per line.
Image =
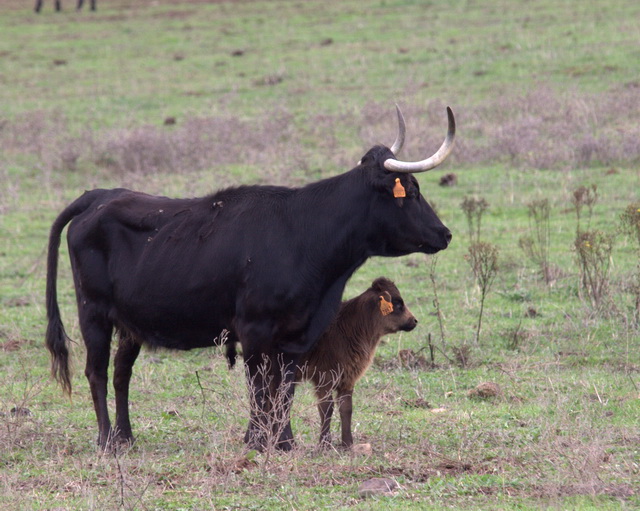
339,241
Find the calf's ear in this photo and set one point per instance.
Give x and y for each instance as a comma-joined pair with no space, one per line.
386,307
381,284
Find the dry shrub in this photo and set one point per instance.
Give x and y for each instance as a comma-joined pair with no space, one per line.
584,196
630,220
593,249
474,208
197,144
593,253
544,128
194,144
536,245
462,355
483,259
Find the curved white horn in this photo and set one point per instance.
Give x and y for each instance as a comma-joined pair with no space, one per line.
411,167
397,145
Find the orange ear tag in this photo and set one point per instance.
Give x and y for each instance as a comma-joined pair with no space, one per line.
386,307
398,189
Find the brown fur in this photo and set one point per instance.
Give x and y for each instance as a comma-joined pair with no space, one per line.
346,350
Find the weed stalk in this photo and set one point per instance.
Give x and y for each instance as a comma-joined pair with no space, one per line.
536,246
483,259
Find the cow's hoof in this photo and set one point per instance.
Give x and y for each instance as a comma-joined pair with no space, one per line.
285,445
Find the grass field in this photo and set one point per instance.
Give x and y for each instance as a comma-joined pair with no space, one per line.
180,98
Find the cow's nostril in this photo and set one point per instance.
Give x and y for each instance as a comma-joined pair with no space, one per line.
448,236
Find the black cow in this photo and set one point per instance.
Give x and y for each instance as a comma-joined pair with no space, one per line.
58,5
268,263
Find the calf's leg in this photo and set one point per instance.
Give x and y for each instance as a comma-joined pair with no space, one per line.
325,409
346,408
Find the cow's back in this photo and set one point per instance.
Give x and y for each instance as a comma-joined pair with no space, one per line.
150,263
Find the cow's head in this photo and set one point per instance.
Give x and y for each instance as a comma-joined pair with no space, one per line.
395,315
402,220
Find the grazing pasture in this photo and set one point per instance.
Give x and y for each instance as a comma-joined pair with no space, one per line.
520,386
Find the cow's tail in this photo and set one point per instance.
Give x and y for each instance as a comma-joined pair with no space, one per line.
56,338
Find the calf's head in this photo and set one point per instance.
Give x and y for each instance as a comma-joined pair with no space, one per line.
394,315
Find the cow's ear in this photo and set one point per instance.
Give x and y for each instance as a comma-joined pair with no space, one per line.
398,189
396,186
386,306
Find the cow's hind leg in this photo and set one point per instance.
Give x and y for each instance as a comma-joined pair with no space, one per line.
128,350
97,331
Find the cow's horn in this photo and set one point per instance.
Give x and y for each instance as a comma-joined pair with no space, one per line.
397,145
411,167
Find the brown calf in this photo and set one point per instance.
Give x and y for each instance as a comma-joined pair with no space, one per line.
346,350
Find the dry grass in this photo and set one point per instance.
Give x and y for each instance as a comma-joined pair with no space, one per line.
252,102
544,129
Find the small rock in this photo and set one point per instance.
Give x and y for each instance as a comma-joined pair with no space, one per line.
362,449
485,390
409,359
377,486
19,411
449,180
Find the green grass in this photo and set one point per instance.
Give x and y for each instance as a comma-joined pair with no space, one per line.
313,87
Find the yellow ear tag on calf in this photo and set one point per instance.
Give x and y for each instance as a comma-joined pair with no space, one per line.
386,307
398,189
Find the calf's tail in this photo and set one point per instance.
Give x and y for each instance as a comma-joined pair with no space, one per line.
56,338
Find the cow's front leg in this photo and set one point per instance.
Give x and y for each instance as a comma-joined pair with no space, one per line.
284,368
257,383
